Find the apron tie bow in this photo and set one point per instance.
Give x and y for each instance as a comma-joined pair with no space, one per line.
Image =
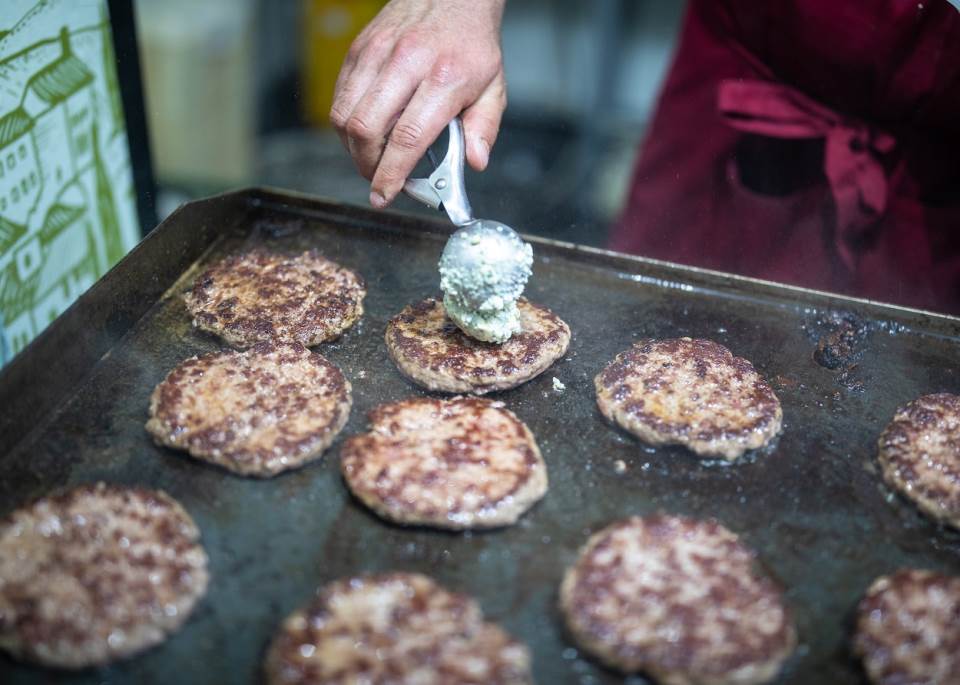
852,150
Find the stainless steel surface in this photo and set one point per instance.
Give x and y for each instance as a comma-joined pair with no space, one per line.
445,185
812,505
475,238
486,247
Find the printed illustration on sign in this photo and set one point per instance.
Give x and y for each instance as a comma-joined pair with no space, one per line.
67,203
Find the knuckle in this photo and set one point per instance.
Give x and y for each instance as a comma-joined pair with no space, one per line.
368,45
355,50
378,45
372,35
408,48
338,117
406,136
358,129
446,72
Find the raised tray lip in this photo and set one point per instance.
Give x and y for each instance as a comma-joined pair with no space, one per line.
728,280
17,377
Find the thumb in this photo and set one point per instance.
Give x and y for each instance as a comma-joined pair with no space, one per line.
481,122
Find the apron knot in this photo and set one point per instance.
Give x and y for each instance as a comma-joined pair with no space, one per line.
853,151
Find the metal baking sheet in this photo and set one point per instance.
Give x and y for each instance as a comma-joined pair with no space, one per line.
812,506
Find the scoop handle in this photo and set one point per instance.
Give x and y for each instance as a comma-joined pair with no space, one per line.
446,185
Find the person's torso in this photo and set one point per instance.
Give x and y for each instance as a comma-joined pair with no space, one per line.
894,64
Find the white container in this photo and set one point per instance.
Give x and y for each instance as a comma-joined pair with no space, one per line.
198,70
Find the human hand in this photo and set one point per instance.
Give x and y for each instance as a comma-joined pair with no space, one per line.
415,67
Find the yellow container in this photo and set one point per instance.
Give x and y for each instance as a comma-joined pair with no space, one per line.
329,26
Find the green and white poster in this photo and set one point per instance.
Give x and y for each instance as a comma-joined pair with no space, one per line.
67,200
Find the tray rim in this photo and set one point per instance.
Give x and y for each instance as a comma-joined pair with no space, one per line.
721,278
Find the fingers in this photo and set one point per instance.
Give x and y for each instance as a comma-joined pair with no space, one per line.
481,122
426,116
361,68
380,107
405,77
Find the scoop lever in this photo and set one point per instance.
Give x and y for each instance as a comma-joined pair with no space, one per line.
446,186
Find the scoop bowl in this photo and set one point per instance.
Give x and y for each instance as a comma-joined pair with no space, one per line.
484,264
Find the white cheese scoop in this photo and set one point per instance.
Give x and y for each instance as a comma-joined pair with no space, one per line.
485,264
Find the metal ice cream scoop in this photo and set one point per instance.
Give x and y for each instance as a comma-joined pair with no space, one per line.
485,264
476,237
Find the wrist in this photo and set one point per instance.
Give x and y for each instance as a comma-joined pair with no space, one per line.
494,8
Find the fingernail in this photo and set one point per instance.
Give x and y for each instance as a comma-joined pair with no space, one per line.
377,200
484,149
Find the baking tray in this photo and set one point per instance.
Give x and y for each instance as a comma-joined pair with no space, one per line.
74,404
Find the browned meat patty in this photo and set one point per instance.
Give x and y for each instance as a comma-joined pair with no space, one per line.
257,413
262,296
457,463
429,349
679,600
689,392
908,629
920,455
96,573
394,629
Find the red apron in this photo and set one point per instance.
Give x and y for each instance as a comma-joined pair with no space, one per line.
813,142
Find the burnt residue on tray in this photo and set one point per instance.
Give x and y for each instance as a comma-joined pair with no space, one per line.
843,344
841,338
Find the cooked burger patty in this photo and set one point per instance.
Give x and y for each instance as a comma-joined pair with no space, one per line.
392,629
262,296
678,599
920,455
429,348
689,392
96,573
458,463
257,413
908,629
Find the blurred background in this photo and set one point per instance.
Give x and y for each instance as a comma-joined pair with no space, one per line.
238,91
